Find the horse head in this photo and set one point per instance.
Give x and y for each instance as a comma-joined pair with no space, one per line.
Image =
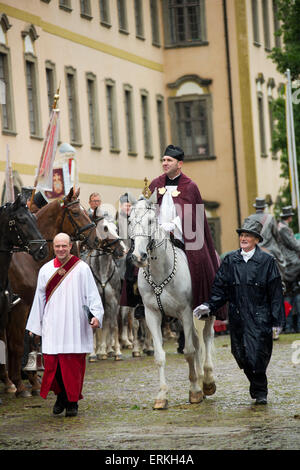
107,231
76,222
144,228
20,231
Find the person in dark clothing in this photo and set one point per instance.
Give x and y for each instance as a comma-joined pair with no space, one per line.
249,280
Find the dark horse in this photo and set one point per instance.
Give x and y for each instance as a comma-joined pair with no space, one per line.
58,216
18,232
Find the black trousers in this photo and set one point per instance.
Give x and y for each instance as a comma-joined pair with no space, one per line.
258,383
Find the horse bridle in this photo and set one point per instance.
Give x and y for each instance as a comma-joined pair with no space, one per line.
78,231
23,245
151,244
157,288
105,245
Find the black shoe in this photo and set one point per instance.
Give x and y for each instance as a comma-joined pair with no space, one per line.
261,401
71,408
59,405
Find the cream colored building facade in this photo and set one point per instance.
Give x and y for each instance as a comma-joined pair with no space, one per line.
135,76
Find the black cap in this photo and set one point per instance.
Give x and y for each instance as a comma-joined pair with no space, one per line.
175,152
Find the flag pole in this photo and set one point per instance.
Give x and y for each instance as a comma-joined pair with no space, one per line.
54,107
9,184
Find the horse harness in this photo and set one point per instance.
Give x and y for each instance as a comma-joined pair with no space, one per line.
23,245
103,284
157,289
78,231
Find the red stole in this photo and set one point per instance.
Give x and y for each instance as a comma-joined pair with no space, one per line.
60,275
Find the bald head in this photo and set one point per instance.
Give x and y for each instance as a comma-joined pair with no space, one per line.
62,246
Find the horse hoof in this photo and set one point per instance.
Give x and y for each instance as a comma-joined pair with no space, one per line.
102,357
10,389
149,353
209,389
136,354
118,357
160,405
24,394
195,397
92,359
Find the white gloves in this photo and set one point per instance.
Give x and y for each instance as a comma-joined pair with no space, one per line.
201,312
168,226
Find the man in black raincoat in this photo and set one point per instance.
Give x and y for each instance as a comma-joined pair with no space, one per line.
249,280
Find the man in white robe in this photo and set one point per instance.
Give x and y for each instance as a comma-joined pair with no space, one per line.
65,288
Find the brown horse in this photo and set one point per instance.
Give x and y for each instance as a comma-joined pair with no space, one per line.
18,232
66,216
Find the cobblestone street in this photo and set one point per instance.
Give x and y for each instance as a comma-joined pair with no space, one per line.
116,412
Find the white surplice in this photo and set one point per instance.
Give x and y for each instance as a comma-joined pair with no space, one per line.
62,322
168,216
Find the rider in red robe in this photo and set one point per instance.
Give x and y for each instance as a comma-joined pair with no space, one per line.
196,236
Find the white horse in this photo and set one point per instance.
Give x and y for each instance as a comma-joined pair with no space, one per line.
164,283
108,281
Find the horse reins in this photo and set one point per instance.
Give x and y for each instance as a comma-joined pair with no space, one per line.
78,231
157,289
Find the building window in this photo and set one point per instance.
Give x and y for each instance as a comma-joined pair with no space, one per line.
146,124
276,23
51,83
92,98
154,22
266,23
192,126
31,72
255,23
73,111
31,96
129,120
112,116
161,123
261,114
184,22
85,9
65,5
6,96
139,20
270,87
104,13
261,121
122,15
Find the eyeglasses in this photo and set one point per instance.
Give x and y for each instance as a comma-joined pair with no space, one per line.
95,200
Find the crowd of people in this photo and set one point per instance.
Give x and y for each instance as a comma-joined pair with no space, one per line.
259,283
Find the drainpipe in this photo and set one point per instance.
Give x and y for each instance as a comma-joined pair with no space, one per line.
235,172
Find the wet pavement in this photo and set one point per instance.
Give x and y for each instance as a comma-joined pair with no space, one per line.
116,412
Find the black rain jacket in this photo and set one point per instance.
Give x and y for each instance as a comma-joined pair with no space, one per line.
256,304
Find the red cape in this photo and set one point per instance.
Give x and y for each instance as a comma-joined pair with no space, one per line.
203,262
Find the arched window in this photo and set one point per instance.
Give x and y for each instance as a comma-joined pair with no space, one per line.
191,117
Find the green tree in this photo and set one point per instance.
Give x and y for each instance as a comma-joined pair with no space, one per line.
287,57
